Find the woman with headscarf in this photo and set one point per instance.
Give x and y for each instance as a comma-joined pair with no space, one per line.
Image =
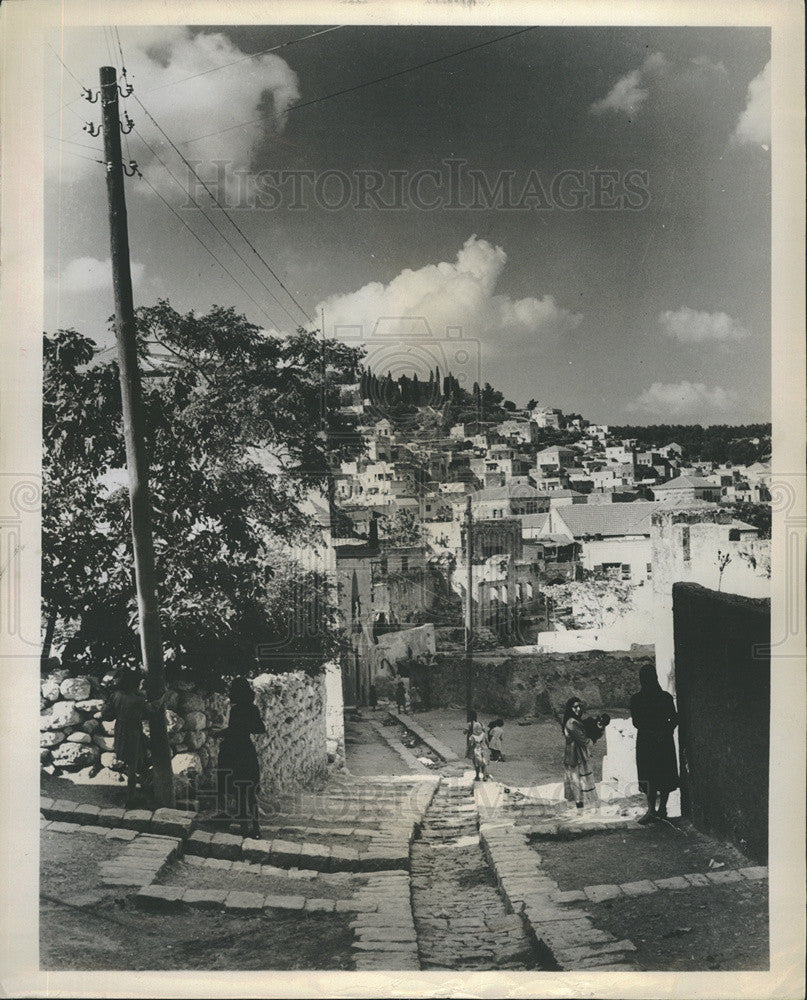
578,784
652,712
238,770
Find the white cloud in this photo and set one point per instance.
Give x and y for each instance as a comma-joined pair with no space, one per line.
157,61
754,125
409,322
682,400
628,93
691,327
87,274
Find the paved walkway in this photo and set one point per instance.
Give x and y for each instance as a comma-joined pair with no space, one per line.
461,919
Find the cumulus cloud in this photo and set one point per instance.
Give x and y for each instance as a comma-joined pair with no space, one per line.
88,274
629,92
418,318
158,61
754,125
692,327
682,400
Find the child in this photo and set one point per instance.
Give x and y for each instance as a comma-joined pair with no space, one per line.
479,748
469,750
129,709
400,696
496,739
596,727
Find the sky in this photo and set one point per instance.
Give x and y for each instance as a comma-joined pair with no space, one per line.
621,269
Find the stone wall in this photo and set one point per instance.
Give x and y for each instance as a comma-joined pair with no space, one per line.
294,751
300,741
516,684
723,680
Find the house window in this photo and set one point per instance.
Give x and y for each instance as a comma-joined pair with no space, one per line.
404,563
685,542
734,534
625,571
649,570
530,591
384,565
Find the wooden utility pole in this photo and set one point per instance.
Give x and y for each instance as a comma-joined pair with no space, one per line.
469,611
134,434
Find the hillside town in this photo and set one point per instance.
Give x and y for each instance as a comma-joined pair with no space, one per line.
563,531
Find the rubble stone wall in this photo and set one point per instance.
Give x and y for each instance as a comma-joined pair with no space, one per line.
516,684
295,751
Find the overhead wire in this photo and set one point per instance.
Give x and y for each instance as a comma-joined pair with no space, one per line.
232,221
367,83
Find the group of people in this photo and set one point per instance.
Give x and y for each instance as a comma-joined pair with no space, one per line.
653,713
484,746
238,773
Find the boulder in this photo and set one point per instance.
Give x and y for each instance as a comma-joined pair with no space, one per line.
50,689
194,721
92,706
104,742
44,756
171,699
173,723
64,714
187,768
44,722
196,740
107,760
106,726
217,709
91,726
51,739
176,738
57,675
80,737
190,701
74,756
75,688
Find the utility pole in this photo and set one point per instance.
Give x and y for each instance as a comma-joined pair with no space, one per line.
469,611
134,434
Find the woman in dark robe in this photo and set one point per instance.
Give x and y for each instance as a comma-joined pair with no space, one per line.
238,770
652,712
130,710
578,785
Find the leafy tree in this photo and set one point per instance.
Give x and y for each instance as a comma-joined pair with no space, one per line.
242,426
402,528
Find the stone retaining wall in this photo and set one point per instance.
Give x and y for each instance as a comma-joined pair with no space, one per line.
514,683
296,750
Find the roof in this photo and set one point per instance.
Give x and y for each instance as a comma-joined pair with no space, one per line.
515,491
584,520
551,540
559,448
686,483
534,520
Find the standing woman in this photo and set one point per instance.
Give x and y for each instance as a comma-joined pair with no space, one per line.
578,782
238,770
652,712
130,710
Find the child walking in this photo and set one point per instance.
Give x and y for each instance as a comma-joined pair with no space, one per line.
496,739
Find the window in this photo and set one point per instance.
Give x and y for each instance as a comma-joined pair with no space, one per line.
384,565
625,571
734,534
530,591
649,570
404,563
685,542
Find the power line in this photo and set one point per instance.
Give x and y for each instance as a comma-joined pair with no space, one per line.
205,247
70,71
366,83
182,188
226,213
251,55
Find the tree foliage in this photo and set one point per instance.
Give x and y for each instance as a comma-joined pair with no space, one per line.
241,429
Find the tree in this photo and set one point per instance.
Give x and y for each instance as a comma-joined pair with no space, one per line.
403,528
242,427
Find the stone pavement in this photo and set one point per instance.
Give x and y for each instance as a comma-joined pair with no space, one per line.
432,871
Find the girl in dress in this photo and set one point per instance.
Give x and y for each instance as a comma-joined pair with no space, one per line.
238,770
578,785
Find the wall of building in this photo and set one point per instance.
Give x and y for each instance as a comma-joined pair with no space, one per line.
633,552
748,573
722,677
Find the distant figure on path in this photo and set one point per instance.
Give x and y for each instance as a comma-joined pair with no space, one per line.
653,713
400,696
578,784
130,710
238,771
479,748
496,739
469,750
373,697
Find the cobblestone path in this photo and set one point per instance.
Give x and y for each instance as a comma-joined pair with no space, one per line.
460,918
